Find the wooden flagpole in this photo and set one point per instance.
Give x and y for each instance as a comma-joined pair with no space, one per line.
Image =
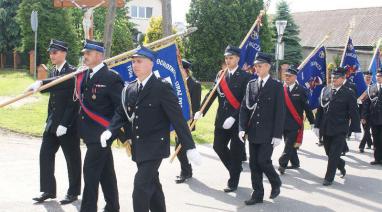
109,61
257,21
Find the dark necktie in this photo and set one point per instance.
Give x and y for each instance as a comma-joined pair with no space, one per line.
140,88
55,72
334,91
261,85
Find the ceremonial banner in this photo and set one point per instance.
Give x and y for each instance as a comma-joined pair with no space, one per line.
313,75
351,63
167,67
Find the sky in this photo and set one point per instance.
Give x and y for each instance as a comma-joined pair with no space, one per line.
180,7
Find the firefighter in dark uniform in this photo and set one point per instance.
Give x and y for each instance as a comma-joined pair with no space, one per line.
195,91
372,113
365,120
230,94
150,106
294,119
262,117
61,129
353,88
99,91
338,107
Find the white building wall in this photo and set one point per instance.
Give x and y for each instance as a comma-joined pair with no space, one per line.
143,23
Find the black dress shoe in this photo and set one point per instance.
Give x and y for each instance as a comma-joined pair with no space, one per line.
361,150
253,201
293,167
327,183
275,192
229,189
368,147
44,196
343,172
375,163
68,199
181,179
281,170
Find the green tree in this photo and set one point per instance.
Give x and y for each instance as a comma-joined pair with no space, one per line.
219,23
292,47
154,31
54,23
10,31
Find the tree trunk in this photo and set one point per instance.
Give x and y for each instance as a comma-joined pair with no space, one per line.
108,33
167,18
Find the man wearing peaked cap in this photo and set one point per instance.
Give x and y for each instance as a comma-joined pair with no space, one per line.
99,93
61,128
145,52
150,107
262,115
372,115
347,83
230,93
296,102
195,91
366,122
338,106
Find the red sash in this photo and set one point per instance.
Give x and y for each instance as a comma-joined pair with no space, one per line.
229,95
295,116
95,117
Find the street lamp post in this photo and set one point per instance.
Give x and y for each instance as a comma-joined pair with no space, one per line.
279,54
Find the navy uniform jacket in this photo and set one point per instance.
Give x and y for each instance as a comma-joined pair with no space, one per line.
372,109
195,91
352,87
62,110
237,85
267,122
155,109
334,118
299,99
101,95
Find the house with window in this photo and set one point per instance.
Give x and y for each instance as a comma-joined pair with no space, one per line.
140,12
367,31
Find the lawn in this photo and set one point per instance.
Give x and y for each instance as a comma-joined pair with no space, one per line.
30,118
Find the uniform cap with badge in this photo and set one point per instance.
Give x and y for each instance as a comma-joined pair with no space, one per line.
57,45
232,50
91,45
262,57
145,53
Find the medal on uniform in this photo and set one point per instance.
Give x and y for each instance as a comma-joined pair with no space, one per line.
94,91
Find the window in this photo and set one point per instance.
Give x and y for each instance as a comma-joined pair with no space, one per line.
141,12
149,12
134,11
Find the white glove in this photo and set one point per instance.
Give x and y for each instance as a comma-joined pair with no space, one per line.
241,136
61,130
198,115
228,123
316,131
106,135
275,142
194,157
358,136
359,101
34,86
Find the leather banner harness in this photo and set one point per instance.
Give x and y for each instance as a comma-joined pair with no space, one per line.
95,117
295,116
228,94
